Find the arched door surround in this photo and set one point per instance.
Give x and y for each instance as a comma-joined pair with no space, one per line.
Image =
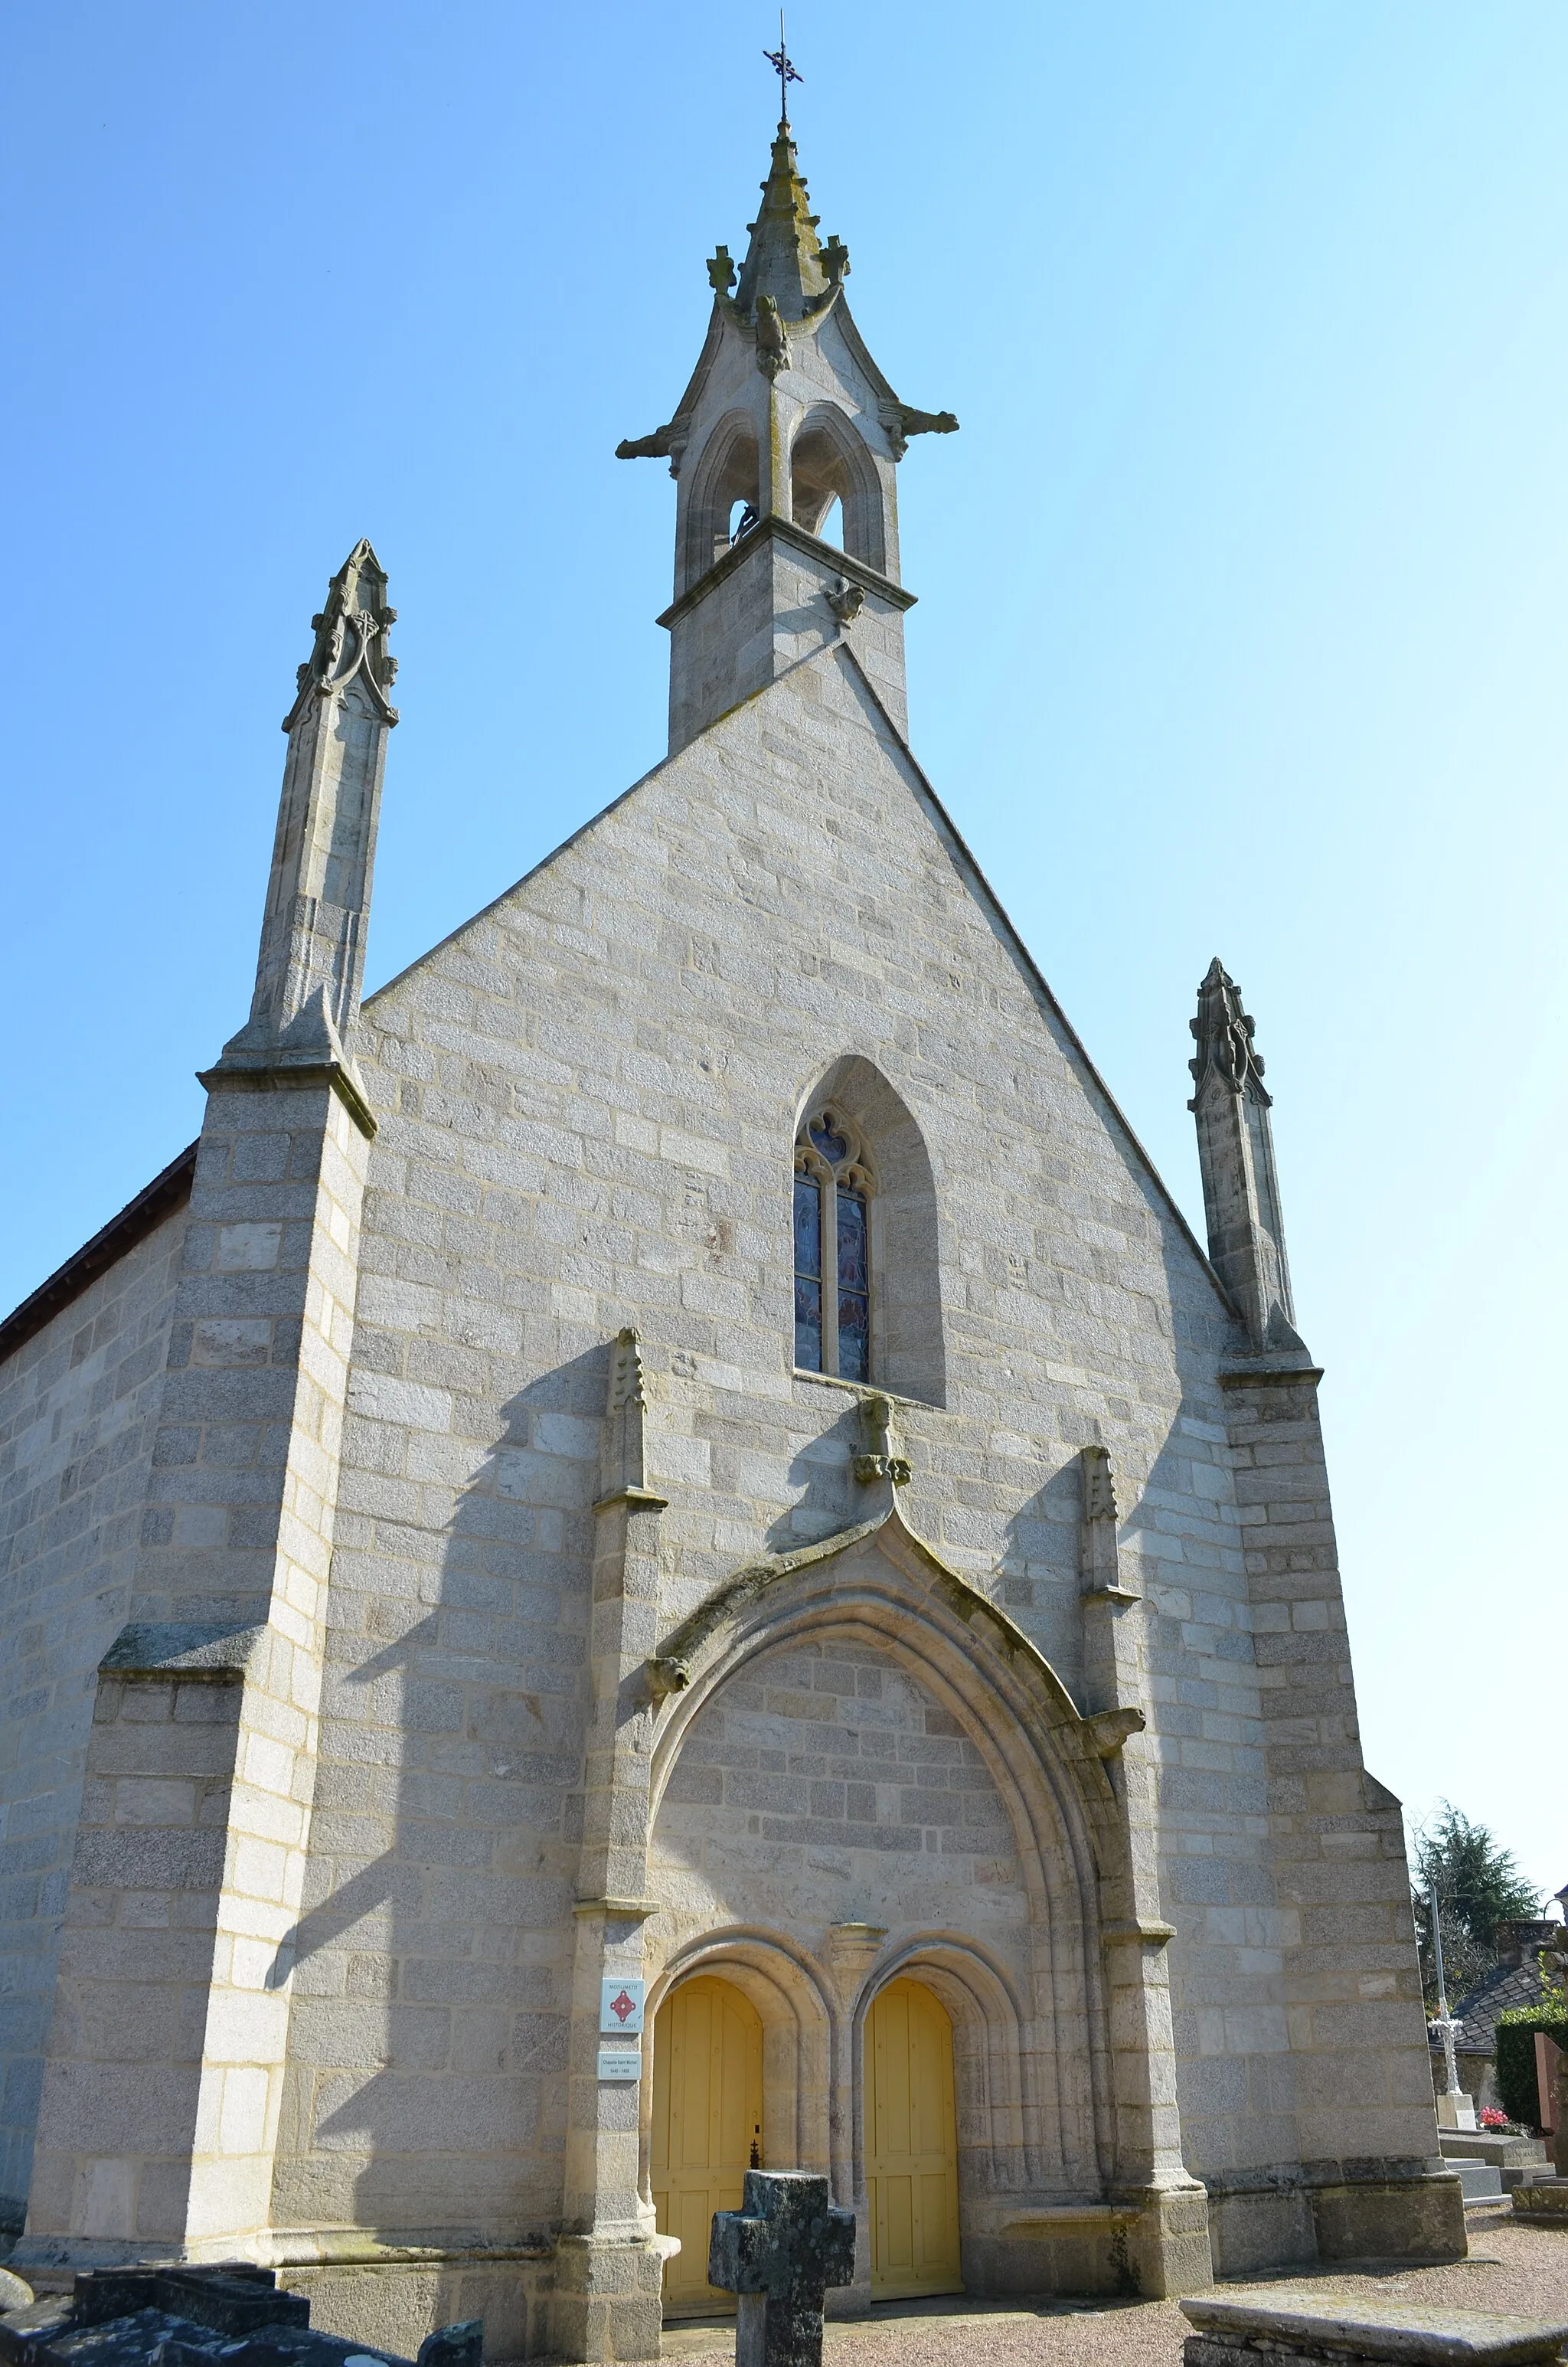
778,1980
911,2143
707,2124
881,1584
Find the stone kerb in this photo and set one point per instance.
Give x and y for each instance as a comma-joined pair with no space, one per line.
1250,2327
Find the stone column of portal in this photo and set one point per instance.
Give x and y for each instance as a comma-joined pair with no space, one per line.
1166,2232
162,2083
606,2303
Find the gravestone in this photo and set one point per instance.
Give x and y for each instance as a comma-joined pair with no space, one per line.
1552,2092
182,2316
1280,2326
1544,2200
779,2253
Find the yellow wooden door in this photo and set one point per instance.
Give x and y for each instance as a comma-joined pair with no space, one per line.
707,2125
911,2144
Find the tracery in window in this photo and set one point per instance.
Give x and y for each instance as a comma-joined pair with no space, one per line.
832,1249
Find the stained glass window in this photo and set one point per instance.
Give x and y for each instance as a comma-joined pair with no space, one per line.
807,1274
832,1249
854,1288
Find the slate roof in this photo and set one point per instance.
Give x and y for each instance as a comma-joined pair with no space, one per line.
1514,1981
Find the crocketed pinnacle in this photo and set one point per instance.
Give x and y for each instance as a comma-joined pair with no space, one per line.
1223,1032
785,258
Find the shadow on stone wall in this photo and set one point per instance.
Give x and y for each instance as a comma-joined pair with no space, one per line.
432,1964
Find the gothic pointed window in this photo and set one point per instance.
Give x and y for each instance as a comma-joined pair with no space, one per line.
832,1249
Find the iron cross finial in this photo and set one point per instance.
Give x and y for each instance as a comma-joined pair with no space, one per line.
779,60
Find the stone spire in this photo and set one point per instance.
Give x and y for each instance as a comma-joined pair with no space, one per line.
1236,1151
785,446
311,962
785,260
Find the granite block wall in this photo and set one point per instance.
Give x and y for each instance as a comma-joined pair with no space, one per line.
587,1100
78,1411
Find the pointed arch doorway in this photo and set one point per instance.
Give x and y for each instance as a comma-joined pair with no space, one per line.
911,2145
707,2127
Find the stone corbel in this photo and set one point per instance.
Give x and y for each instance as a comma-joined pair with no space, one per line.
852,1951
876,1459
666,1676
1107,1729
1138,1932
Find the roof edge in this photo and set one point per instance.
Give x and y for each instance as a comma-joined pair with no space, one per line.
1036,977
987,894
139,1217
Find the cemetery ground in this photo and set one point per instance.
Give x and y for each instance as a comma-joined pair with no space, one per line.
1512,2270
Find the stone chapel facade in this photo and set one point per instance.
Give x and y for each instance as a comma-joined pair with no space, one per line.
683,1442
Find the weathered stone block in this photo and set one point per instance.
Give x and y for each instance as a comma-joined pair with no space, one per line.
780,2253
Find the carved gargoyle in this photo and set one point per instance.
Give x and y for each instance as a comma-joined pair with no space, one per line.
901,420
773,345
846,601
647,447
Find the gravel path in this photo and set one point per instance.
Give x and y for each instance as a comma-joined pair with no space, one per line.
1521,2271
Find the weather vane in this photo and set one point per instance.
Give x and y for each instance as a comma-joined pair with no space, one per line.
779,60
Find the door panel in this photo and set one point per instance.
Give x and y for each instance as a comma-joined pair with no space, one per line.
707,2116
911,2144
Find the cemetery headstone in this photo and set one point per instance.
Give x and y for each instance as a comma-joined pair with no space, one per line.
198,2318
779,2253
1544,2200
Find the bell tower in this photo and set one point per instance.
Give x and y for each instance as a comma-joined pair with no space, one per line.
785,449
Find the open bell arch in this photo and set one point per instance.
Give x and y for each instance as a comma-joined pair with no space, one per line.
829,460
727,470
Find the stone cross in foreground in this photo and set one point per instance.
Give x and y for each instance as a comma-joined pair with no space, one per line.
780,2252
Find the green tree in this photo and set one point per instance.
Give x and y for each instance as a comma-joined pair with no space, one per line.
1479,1886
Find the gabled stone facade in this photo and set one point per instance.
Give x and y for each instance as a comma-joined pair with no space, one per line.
488,1606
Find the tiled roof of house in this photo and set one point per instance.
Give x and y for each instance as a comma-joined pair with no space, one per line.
1505,1986
1515,1979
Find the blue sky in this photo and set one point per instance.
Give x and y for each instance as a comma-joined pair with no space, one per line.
1243,597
